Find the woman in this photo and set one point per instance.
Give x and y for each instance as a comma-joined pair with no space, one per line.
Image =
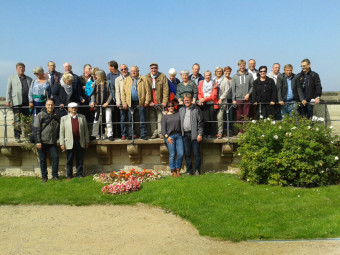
218,75
39,91
62,94
207,96
186,86
173,82
172,76
224,100
171,130
264,94
91,83
102,95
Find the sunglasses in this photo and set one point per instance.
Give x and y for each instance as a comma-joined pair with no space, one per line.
123,69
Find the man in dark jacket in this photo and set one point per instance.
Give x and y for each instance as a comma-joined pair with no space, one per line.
196,76
46,133
288,91
192,132
311,88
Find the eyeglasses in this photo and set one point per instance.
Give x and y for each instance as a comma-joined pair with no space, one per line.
262,71
123,69
152,68
171,106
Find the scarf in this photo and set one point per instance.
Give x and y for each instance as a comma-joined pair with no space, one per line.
67,88
153,77
207,87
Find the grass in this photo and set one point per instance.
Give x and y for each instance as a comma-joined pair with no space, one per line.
218,205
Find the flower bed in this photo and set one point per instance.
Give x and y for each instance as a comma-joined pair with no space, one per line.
122,182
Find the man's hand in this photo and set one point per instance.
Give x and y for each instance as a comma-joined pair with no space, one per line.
164,104
170,140
317,100
83,101
146,105
125,106
92,104
8,104
281,103
199,138
62,147
220,101
118,105
152,104
86,145
255,103
246,98
234,102
304,102
61,105
38,145
272,103
105,105
31,105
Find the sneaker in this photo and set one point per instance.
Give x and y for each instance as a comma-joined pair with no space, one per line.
56,179
110,138
197,173
219,136
123,137
161,136
154,136
44,179
144,138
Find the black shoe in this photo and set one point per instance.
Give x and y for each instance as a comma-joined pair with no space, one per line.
92,138
110,138
56,179
44,179
144,138
129,138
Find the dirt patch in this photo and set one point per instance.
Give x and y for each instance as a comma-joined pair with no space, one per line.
123,230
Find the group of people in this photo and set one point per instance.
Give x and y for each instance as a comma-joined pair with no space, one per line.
120,95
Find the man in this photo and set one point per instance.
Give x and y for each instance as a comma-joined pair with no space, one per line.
119,82
46,134
192,132
76,86
274,72
52,75
74,138
83,80
17,96
159,96
196,76
311,88
288,92
251,68
112,75
242,87
136,94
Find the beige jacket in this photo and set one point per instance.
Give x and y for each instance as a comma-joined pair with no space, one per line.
144,91
66,135
119,82
162,88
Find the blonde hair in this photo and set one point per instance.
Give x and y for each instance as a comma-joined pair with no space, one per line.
241,62
67,77
38,70
101,76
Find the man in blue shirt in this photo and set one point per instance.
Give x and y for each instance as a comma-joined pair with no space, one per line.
288,92
111,76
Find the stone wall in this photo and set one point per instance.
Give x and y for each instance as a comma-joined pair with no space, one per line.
105,156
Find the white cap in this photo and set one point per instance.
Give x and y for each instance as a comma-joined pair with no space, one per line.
73,104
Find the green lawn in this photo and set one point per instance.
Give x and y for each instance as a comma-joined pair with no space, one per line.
218,205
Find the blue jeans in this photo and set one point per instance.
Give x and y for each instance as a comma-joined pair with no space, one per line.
78,152
176,146
123,118
52,148
141,111
288,108
188,146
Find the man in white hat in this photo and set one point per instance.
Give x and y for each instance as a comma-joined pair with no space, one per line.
74,138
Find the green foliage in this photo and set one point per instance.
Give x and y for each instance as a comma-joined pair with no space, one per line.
26,127
295,151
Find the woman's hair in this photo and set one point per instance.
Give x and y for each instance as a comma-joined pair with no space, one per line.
94,70
38,70
218,68
207,71
101,76
172,71
261,67
67,77
227,68
184,72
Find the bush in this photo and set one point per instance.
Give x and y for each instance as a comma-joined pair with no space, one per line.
295,151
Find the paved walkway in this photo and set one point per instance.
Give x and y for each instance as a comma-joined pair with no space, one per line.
124,230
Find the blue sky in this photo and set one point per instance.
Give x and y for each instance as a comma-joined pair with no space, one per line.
171,33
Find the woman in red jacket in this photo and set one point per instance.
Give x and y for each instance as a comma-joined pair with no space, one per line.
207,100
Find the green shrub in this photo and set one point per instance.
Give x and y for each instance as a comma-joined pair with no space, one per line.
295,151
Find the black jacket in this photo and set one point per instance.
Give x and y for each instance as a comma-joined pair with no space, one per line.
313,89
282,88
264,91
